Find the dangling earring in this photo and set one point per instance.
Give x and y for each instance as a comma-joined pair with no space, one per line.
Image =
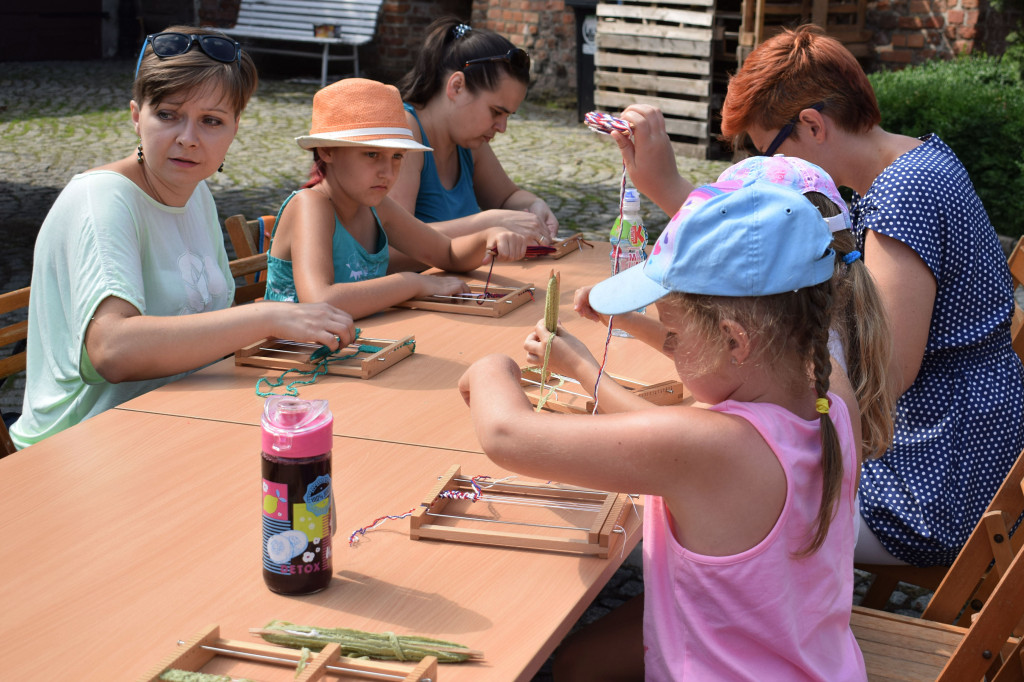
139,155
221,169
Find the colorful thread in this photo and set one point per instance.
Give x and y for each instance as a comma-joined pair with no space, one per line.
356,534
605,124
472,496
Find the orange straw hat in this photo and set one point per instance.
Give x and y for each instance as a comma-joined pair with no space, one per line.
359,112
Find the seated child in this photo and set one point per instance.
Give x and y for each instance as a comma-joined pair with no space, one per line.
749,507
331,238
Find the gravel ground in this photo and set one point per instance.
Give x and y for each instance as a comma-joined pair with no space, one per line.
60,118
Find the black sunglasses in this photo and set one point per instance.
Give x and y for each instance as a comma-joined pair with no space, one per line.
172,44
517,58
787,130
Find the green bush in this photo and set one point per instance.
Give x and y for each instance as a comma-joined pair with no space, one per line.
976,105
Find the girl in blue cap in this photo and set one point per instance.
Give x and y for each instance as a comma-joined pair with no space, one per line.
749,497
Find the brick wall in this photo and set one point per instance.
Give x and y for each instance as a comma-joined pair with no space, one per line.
401,30
915,31
544,28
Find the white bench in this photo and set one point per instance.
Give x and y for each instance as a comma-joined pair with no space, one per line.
293,21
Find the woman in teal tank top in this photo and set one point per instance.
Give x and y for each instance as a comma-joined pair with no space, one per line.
465,85
332,239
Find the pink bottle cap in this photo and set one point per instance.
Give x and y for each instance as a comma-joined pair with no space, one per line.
296,428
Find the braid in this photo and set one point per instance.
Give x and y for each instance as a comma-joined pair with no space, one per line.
819,316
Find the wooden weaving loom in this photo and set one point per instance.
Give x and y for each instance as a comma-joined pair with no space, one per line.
572,520
559,249
201,651
271,353
475,303
575,401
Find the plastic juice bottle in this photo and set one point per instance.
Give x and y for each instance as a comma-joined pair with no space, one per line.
628,239
297,494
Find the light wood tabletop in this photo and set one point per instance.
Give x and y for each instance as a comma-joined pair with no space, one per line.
416,401
134,530
140,527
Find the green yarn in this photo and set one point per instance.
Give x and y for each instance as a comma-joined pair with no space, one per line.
323,357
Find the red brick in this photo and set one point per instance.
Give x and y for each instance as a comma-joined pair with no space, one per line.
897,56
963,46
955,16
969,4
915,40
971,18
899,40
910,22
934,22
967,33
920,7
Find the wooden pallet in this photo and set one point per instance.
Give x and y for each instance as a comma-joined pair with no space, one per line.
571,398
207,646
506,300
282,354
672,54
560,519
843,20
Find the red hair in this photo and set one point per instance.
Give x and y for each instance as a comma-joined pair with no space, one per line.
317,172
790,72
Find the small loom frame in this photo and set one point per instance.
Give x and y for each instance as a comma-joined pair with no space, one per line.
273,353
207,645
510,299
671,392
569,245
594,541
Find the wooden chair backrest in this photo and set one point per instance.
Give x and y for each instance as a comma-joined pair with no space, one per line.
970,580
250,238
13,363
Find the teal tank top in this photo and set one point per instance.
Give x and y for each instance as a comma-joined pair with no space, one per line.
352,263
434,203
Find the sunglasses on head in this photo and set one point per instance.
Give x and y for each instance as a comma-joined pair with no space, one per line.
517,58
787,130
172,44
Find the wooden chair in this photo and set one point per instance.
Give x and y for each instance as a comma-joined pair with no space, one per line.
972,626
929,577
10,336
249,238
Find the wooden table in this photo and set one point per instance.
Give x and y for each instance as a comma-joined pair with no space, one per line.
134,530
140,527
415,401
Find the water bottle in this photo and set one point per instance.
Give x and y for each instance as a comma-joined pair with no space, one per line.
628,240
297,496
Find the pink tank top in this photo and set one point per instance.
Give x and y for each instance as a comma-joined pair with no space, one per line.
763,614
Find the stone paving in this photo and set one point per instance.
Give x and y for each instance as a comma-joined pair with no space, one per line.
60,118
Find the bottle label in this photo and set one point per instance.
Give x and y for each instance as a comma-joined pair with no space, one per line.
296,528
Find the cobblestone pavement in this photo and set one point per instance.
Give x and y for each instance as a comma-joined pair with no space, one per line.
60,118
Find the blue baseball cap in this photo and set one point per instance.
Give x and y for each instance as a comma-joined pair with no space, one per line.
734,238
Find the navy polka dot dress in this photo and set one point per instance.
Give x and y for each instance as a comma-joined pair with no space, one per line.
960,425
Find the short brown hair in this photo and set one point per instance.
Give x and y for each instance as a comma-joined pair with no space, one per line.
792,71
159,77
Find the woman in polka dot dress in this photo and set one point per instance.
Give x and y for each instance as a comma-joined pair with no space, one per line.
935,257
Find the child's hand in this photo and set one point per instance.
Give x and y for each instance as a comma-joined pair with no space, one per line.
314,322
567,352
441,285
504,245
581,304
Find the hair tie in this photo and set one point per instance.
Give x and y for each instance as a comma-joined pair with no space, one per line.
850,257
822,405
461,30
